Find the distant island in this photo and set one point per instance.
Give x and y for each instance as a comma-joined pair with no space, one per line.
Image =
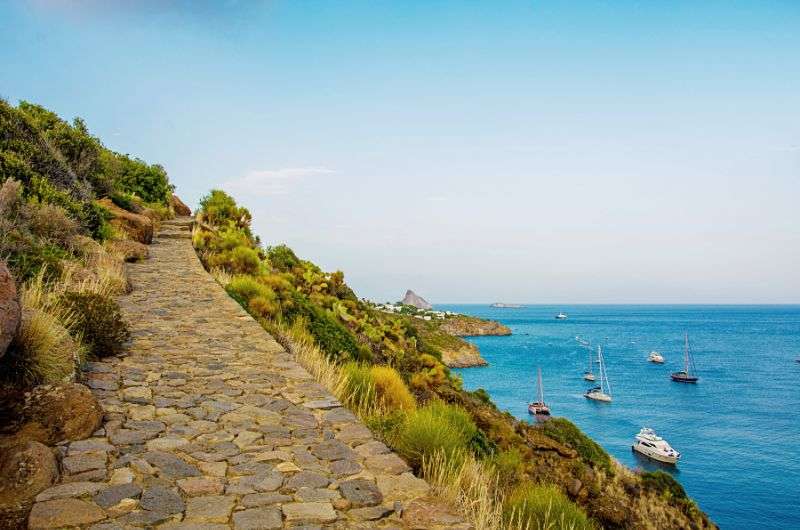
445,329
507,306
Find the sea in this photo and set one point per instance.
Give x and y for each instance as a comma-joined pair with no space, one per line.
738,428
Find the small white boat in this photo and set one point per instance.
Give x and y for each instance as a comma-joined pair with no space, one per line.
651,445
561,316
655,357
603,391
539,408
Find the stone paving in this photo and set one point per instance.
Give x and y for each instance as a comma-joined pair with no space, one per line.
210,424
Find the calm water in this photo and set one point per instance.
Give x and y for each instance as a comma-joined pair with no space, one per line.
738,430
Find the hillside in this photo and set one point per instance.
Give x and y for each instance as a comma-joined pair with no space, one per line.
389,368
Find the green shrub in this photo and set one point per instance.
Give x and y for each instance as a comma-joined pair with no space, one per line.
220,209
240,260
543,507
436,427
282,258
564,431
663,483
376,388
98,322
359,390
508,465
125,201
257,298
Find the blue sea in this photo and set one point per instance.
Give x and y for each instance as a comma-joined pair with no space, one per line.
738,429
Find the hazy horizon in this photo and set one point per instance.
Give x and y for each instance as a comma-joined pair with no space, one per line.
558,152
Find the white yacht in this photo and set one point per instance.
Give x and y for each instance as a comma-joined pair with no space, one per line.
603,391
651,445
561,316
655,357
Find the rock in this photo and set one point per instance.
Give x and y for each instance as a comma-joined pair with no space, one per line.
166,444
343,468
122,475
210,509
70,490
261,499
307,479
84,462
425,513
91,445
161,500
25,471
388,463
130,251
258,519
194,486
462,355
412,298
333,450
60,513
309,512
58,413
179,207
138,227
115,494
213,469
402,487
371,513
467,326
170,466
10,309
137,394
361,492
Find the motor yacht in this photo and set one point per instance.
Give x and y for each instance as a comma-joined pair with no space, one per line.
655,357
651,445
561,316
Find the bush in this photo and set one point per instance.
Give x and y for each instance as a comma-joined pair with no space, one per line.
51,223
436,427
240,260
126,202
564,431
378,389
42,352
509,466
220,209
663,483
540,507
282,258
98,322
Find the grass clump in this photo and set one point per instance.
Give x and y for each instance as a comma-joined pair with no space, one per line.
567,433
375,389
98,322
435,428
543,507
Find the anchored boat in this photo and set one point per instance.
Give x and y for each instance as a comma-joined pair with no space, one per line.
655,357
651,445
686,375
603,391
561,316
539,408
588,375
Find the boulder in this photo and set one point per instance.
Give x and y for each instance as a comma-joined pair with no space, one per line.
57,413
130,251
179,207
25,471
10,313
138,227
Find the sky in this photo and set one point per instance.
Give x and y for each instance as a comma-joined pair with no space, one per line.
535,152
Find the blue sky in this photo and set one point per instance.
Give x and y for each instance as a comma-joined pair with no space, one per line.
472,151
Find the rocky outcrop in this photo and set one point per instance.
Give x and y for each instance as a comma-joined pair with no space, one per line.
25,471
138,227
10,313
412,298
465,356
59,413
179,207
464,326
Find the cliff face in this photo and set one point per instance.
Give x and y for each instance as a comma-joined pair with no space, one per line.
412,298
464,326
463,355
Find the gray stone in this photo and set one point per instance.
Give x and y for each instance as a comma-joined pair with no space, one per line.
261,499
162,500
210,509
112,496
343,468
60,513
361,492
307,479
70,489
170,466
258,519
309,512
371,513
333,450
84,462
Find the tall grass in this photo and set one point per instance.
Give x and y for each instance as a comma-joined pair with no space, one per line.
543,507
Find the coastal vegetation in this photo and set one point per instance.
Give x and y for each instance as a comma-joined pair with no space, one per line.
63,197
500,472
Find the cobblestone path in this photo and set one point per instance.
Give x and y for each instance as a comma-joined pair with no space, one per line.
209,424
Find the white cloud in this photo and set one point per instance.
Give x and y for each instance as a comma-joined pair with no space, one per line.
273,181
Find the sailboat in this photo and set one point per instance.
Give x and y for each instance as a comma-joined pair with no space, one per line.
588,375
603,391
539,408
685,375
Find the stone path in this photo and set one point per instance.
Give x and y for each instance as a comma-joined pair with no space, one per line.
209,424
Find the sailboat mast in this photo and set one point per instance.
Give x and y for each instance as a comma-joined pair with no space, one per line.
600,362
541,390
686,351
